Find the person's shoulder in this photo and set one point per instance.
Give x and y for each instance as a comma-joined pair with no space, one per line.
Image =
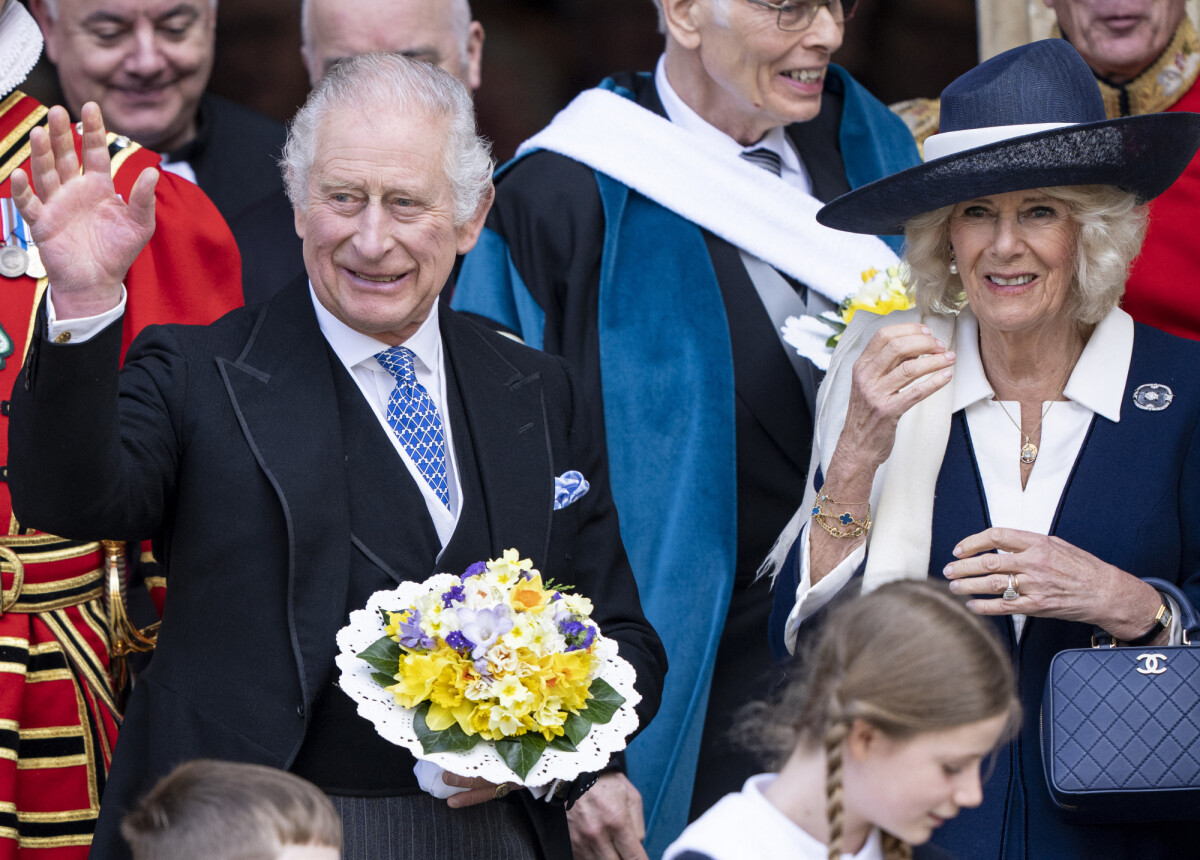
229,117
543,173
472,332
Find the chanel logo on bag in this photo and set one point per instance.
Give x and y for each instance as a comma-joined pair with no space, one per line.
1152,661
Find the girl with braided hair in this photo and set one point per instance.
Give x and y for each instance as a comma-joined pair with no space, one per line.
882,732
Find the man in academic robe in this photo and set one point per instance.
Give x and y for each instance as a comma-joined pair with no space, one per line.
631,238
300,456
58,705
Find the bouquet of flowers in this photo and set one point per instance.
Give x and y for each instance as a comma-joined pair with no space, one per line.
492,673
815,337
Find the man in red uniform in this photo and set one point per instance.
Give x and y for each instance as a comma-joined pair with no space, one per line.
58,714
1146,58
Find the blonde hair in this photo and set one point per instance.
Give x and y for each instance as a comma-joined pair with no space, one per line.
882,658
221,810
1110,223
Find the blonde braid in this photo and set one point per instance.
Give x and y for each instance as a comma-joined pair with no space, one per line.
834,736
896,849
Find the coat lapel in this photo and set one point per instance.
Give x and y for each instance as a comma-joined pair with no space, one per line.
505,415
281,389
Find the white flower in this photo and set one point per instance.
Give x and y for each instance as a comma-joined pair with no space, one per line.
505,723
511,693
578,604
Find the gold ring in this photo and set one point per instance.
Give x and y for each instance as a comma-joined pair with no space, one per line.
1011,593
502,790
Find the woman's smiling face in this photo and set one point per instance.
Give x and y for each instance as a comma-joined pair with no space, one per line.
1016,257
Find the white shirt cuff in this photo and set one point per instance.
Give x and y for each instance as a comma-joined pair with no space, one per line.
82,329
429,777
810,598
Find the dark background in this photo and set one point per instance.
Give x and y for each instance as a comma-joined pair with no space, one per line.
539,53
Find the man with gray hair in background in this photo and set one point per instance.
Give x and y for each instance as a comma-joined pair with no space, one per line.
271,453
637,237
440,32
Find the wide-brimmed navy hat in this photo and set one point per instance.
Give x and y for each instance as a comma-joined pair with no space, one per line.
1031,117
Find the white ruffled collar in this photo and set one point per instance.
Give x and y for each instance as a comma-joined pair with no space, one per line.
20,45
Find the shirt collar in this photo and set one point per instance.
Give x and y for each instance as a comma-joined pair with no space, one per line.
1097,382
354,348
712,137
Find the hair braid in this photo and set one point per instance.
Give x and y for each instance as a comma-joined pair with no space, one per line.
834,736
895,848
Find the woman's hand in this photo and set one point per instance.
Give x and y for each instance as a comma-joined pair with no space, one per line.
87,236
1054,579
884,386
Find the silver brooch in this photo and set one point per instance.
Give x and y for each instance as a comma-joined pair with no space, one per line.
1153,397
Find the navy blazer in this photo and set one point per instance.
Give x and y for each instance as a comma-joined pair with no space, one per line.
225,441
1132,500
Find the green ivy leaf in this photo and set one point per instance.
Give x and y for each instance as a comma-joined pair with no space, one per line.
521,753
604,701
577,726
384,656
562,742
383,679
453,739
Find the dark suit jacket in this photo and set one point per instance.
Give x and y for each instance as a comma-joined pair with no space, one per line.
236,158
225,440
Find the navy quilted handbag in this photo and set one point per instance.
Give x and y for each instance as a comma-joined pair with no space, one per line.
1121,728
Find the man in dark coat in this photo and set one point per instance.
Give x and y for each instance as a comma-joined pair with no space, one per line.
262,449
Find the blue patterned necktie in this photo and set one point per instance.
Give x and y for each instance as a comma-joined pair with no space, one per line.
415,421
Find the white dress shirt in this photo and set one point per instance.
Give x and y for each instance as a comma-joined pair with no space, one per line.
1096,387
357,352
714,140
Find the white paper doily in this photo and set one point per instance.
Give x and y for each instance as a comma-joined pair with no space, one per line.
395,724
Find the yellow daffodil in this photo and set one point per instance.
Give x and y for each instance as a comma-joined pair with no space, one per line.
529,595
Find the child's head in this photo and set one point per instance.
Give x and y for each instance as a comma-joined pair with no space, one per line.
219,810
906,691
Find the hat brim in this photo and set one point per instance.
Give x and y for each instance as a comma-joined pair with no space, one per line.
1142,154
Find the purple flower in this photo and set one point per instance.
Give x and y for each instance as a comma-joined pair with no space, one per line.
454,594
579,636
475,569
411,634
459,642
484,627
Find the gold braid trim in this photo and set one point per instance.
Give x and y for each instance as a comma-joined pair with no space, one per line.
1162,83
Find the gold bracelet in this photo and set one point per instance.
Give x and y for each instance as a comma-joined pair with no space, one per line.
840,525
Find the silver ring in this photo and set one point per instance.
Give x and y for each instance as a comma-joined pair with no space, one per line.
1011,592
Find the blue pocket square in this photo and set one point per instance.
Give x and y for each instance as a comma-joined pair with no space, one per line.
569,487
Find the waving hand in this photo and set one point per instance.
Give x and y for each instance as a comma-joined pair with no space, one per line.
87,235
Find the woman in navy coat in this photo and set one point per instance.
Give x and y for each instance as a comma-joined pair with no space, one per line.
1015,432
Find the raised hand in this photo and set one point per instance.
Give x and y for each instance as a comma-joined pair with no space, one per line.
87,236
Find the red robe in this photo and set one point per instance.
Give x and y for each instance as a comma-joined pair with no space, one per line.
58,719
1163,289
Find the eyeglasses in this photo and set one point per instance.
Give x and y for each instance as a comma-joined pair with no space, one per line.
800,14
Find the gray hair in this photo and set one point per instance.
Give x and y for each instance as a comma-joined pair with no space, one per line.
460,20
1111,227
392,83
720,13
52,7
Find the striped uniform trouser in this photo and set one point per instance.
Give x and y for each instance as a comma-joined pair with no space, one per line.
421,826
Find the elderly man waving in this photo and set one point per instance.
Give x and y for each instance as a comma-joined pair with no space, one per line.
264,452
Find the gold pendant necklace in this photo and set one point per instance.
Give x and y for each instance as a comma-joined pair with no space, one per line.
1029,451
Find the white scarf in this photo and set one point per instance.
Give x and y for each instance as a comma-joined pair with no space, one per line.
741,203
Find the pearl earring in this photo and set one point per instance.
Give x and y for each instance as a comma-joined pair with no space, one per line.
953,263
